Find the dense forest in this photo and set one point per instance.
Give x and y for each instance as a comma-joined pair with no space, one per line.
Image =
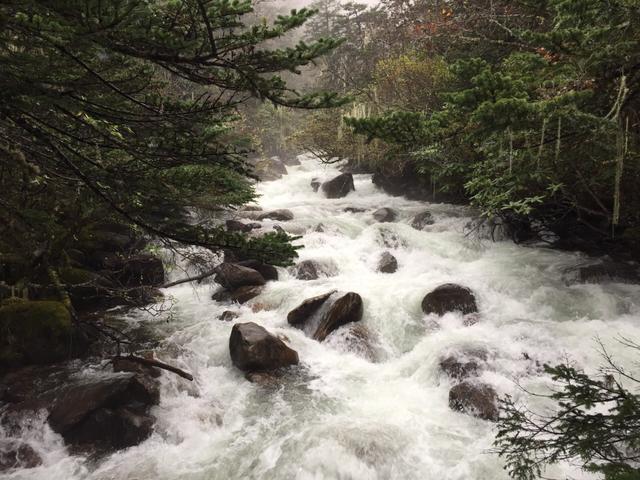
155,151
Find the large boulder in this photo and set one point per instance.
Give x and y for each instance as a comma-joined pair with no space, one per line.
232,276
99,414
475,398
449,298
289,159
254,349
299,316
421,220
269,272
282,215
269,169
387,263
385,215
346,309
35,332
339,186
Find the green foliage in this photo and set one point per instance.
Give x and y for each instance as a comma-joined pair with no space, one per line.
545,129
34,332
128,109
594,421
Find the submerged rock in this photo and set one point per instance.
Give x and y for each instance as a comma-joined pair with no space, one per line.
17,454
449,298
605,271
312,270
385,215
339,186
315,184
421,220
282,215
234,275
254,349
354,210
299,316
346,309
228,315
476,399
464,363
387,263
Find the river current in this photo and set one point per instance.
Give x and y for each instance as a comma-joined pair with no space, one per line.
344,416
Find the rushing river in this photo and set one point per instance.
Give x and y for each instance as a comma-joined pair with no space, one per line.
343,416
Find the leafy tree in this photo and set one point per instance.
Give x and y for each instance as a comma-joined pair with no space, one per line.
126,109
595,421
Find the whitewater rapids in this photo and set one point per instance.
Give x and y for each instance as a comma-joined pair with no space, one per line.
345,417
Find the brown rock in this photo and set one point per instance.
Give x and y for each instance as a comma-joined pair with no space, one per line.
477,399
449,298
299,315
385,215
232,276
254,349
344,310
387,263
339,186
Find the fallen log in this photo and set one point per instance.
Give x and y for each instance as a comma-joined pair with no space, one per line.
149,362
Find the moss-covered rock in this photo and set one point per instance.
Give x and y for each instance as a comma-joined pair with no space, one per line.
34,332
76,276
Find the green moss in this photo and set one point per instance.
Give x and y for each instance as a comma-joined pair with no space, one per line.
75,276
34,332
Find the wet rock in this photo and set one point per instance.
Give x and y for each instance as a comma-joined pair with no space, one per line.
73,404
254,349
269,169
108,429
233,275
463,364
282,215
319,228
239,295
354,210
314,269
449,298
142,269
299,316
16,454
356,339
390,239
237,226
387,263
339,186
263,379
315,184
228,315
385,215
475,398
421,220
605,271
122,364
346,309
268,272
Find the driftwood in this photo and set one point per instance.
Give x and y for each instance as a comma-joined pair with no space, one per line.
155,363
195,278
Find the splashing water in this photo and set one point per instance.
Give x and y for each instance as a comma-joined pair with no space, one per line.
345,417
